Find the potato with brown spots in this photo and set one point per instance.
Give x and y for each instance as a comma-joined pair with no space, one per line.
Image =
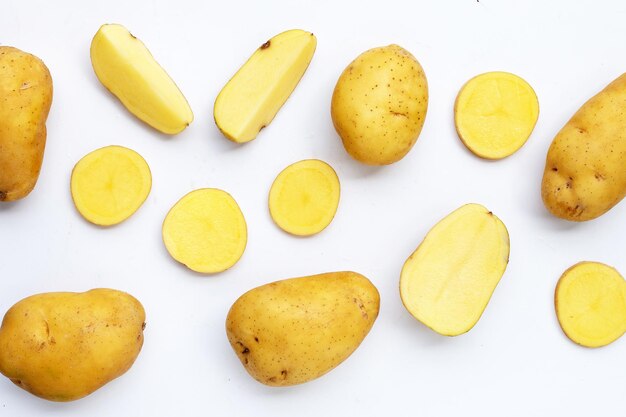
25,99
63,346
379,105
585,173
292,331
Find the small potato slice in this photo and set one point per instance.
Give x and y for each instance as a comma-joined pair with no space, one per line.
495,113
206,231
304,197
109,184
590,302
448,281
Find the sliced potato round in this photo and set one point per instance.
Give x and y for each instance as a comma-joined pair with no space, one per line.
206,231
590,302
109,184
495,113
304,197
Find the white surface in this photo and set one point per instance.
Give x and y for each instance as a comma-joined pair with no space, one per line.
515,362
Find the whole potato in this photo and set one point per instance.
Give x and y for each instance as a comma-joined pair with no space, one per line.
63,346
379,105
25,99
292,331
585,172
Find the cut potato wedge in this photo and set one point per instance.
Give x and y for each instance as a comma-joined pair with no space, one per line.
448,281
109,184
590,302
304,197
125,67
206,231
495,113
251,99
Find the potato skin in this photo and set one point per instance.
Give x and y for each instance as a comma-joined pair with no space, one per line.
63,346
379,105
26,92
585,174
292,331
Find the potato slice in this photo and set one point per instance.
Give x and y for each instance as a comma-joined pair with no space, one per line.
109,184
251,99
495,113
590,303
448,281
304,197
206,231
125,67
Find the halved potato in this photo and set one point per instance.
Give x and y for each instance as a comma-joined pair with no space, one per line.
206,231
304,197
126,67
448,281
109,184
495,113
590,302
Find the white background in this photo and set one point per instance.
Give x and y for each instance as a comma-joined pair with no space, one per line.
515,362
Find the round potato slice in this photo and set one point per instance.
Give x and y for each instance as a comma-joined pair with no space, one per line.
206,231
109,184
590,302
495,113
304,197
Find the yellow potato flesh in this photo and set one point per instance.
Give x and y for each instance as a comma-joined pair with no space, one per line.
63,346
590,302
495,114
125,67
448,281
295,330
251,99
206,231
109,184
304,197
25,99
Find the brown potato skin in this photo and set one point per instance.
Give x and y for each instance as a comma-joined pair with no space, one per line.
25,99
379,105
63,346
292,331
585,172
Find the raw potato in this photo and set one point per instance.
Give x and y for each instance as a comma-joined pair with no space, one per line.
292,331
495,113
63,346
304,197
110,184
590,302
379,105
25,99
584,175
126,67
206,231
251,99
448,281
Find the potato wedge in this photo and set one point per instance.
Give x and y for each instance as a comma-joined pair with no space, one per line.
253,96
126,67
590,303
109,184
448,281
206,231
495,113
304,197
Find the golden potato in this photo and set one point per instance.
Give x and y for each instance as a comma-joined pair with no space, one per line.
379,105
63,346
448,281
292,331
25,99
584,176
